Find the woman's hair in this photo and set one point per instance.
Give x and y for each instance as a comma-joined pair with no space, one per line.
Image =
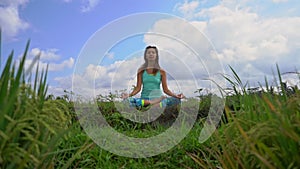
156,65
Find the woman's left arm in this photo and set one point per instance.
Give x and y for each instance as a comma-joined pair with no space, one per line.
165,86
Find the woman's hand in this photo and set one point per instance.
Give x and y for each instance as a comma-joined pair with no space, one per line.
124,95
180,96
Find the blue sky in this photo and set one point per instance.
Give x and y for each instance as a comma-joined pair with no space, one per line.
252,36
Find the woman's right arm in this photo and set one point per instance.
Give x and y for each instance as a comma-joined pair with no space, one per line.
138,87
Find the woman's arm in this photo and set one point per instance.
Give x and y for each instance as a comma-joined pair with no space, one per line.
165,86
138,87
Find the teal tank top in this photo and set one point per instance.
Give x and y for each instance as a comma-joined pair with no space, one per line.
151,85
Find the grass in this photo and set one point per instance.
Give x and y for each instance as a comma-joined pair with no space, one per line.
262,129
30,125
263,133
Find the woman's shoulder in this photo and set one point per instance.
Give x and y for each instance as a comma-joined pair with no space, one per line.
140,70
162,71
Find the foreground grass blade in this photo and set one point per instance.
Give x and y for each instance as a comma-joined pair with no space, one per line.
29,123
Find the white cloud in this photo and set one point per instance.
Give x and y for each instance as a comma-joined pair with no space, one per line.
48,57
185,53
49,54
235,4
250,43
89,5
51,65
279,1
57,91
249,37
117,76
62,65
10,21
188,8
13,2
110,55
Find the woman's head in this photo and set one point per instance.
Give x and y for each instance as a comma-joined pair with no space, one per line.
151,55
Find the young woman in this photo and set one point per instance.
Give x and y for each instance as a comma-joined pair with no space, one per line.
150,77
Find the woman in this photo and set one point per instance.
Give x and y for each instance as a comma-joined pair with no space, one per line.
150,76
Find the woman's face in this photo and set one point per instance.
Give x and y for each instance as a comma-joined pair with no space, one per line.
151,54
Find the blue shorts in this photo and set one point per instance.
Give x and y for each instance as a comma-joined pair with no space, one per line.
169,101
136,102
139,102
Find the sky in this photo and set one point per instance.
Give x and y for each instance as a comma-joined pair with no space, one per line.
95,46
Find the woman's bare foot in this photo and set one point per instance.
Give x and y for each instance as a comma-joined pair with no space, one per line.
155,101
163,97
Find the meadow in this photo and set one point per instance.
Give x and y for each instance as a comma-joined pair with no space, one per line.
259,128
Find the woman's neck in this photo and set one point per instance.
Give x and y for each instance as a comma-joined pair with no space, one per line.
150,65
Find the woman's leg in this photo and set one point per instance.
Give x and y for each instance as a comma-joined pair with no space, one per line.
169,101
146,102
141,102
156,101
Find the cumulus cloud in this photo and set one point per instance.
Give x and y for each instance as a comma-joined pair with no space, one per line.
121,75
89,5
188,8
187,54
253,39
10,20
110,55
49,54
96,79
197,51
13,2
250,43
179,61
48,57
62,65
279,1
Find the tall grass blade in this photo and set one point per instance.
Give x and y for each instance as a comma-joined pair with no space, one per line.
34,62
282,85
237,78
35,84
29,123
4,90
0,48
14,88
267,85
84,147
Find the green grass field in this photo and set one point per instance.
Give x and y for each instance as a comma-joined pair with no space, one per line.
261,130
